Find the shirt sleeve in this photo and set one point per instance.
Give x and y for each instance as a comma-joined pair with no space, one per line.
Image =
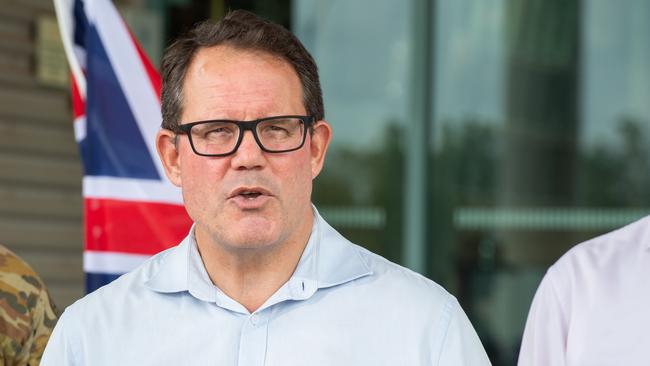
544,340
60,348
461,346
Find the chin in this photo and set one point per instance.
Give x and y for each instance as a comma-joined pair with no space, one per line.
255,234
252,241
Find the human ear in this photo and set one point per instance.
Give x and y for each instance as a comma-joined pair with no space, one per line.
166,144
320,140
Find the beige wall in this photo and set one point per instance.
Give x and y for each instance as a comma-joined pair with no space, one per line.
40,172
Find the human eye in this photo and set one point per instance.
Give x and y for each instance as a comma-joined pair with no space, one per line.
216,131
279,129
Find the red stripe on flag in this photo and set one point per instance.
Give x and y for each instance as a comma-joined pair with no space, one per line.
134,227
154,76
78,104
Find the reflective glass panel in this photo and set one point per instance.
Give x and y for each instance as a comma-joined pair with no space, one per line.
540,140
362,49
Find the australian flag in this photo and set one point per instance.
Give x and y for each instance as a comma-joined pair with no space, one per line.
131,210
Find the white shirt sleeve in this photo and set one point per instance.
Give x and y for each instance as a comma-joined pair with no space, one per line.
59,350
545,337
461,346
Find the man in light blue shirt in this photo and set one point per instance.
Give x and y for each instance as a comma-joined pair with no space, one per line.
261,279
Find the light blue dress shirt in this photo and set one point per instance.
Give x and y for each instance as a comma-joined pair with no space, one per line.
343,306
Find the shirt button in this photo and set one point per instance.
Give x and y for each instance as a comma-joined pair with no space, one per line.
254,319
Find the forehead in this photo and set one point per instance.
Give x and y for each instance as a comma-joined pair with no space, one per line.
224,82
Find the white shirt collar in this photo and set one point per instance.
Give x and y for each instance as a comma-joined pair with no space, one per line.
328,260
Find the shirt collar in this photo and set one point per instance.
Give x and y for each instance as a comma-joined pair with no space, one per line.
328,260
339,261
180,267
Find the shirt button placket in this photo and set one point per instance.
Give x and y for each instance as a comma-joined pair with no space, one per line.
253,340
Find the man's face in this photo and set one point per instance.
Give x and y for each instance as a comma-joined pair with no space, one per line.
226,83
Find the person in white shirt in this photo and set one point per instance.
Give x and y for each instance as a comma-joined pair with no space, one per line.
261,279
591,308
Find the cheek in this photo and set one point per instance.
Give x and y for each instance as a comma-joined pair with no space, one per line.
190,179
201,181
196,170
301,180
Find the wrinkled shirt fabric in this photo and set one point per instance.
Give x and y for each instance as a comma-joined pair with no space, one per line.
342,306
592,306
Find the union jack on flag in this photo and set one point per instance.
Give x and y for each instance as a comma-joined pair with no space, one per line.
131,210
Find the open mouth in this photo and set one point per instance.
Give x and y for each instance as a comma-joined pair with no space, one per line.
250,194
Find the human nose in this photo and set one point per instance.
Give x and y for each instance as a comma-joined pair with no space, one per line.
249,155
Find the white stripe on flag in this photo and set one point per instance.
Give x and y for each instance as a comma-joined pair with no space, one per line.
80,128
111,262
131,189
130,72
80,53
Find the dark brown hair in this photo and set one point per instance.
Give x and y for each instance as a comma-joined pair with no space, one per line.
243,30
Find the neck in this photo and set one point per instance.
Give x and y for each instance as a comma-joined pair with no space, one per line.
252,276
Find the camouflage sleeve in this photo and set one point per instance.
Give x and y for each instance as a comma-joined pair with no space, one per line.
43,322
27,314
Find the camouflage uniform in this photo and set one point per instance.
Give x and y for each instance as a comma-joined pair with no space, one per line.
27,314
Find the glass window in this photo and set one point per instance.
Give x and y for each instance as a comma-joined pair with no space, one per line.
362,49
540,140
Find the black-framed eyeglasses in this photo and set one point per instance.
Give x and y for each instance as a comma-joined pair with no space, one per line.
276,134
